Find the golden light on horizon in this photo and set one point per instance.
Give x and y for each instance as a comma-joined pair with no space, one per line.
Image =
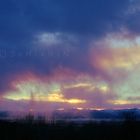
98,109
119,102
80,108
75,101
61,98
52,97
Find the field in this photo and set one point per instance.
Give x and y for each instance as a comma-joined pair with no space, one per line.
65,131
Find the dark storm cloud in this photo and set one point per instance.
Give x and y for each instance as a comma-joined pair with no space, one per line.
22,20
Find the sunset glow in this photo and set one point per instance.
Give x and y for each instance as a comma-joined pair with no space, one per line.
64,55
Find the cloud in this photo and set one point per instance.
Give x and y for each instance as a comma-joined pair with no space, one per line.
62,41
21,20
55,39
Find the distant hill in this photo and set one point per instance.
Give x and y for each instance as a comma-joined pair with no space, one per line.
76,115
98,114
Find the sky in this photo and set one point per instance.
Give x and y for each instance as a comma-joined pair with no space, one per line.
58,55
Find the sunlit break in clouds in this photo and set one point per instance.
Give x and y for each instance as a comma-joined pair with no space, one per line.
69,54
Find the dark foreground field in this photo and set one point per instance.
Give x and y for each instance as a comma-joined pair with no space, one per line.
65,131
